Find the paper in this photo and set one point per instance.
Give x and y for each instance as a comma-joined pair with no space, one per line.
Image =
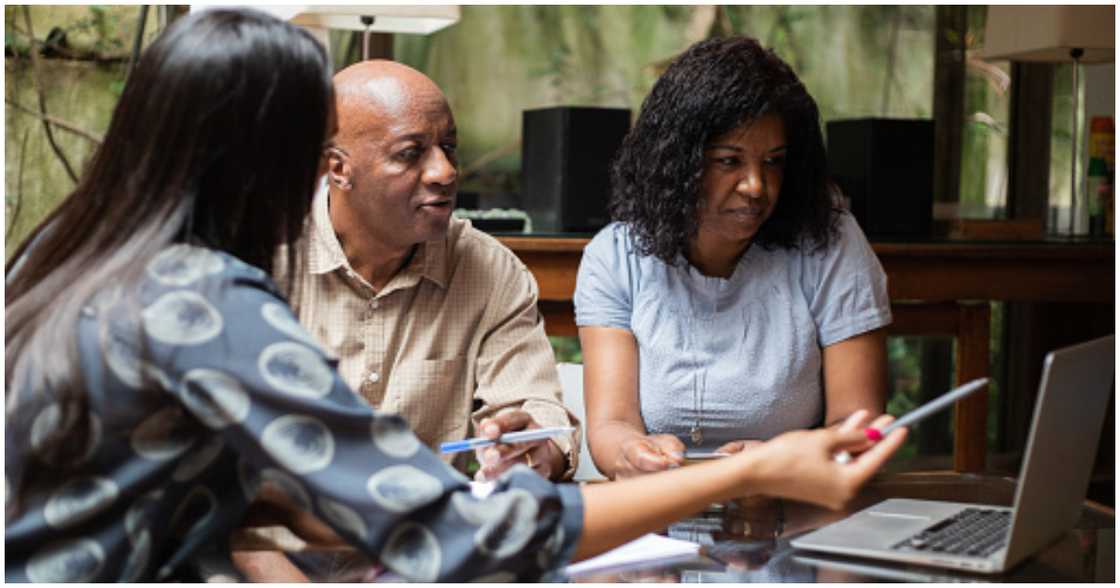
481,490
645,549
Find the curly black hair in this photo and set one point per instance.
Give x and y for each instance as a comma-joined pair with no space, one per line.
712,88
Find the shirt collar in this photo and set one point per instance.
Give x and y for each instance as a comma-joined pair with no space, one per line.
326,255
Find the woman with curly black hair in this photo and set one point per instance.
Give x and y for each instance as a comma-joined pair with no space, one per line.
732,299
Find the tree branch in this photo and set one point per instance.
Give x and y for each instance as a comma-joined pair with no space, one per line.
137,41
58,122
37,75
17,207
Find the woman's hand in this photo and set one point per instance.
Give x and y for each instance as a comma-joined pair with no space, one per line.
800,465
737,446
643,454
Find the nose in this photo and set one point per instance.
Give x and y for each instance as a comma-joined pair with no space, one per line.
752,184
440,169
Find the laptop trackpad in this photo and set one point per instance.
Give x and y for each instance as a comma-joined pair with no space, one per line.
872,529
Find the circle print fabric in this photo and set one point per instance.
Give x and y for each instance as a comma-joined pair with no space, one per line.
344,517
48,421
180,265
294,369
401,488
216,398
78,500
75,560
300,443
164,435
281,319
506,521
393,437
413,552
182,318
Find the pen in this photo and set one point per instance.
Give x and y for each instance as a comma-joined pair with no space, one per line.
515,437
918,414
927,409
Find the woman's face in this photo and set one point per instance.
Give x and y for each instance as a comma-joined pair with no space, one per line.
742,178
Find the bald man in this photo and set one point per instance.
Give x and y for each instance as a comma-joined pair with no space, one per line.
429,317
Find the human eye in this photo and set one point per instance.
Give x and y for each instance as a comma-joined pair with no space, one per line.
776,160
450,148
408,154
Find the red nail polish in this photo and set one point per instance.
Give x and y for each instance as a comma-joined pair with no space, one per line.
873,434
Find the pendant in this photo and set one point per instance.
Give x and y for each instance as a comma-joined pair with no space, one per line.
696,436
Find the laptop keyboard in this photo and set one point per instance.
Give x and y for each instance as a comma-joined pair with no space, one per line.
977,532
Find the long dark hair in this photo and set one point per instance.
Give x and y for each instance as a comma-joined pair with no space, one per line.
710,89
215,141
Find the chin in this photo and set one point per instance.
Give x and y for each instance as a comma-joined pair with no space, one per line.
431,231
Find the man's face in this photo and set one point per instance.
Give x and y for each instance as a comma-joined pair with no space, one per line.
399,150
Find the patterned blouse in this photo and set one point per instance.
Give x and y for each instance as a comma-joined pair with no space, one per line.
234,392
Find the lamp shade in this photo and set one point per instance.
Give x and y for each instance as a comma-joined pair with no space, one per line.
418,19
1048,33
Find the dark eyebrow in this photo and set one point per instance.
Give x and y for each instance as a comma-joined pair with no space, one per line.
416,137
739,149
718,146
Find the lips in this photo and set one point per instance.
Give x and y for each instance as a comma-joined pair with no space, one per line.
751,212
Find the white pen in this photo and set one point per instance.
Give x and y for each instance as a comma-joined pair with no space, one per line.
515,437
918,414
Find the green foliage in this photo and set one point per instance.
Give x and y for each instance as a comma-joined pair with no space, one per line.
117,87
567,349
103,25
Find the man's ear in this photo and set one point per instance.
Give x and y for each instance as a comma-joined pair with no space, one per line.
338,169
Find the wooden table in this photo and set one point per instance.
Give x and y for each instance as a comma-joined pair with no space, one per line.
936,288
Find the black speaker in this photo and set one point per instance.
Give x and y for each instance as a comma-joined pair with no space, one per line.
885,167
566,154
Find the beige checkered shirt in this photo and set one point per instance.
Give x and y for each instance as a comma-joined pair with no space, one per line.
454,337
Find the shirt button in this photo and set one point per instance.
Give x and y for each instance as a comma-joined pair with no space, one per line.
374,304
374,377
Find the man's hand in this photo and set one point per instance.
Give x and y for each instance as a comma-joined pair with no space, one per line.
544,456
648,453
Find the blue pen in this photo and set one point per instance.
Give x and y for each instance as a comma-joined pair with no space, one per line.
516,437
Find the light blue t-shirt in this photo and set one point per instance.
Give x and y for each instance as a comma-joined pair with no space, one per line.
740,357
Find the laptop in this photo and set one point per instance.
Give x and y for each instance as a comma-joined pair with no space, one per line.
1074,393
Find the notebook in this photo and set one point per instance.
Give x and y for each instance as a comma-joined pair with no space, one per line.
1074,393
646,549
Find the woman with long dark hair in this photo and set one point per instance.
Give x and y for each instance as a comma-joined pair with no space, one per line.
732,300
156,377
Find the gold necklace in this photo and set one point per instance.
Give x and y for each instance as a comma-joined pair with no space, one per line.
699,383
696,433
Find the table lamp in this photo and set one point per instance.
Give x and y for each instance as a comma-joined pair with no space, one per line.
421,19
1053,34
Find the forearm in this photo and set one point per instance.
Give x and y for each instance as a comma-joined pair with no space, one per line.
621,511
267,566
605,440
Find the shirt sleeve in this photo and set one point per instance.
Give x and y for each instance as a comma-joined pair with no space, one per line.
846,286
246,368
604,293
516,366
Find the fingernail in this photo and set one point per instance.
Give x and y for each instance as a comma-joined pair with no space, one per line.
490,457
873,434
491,430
